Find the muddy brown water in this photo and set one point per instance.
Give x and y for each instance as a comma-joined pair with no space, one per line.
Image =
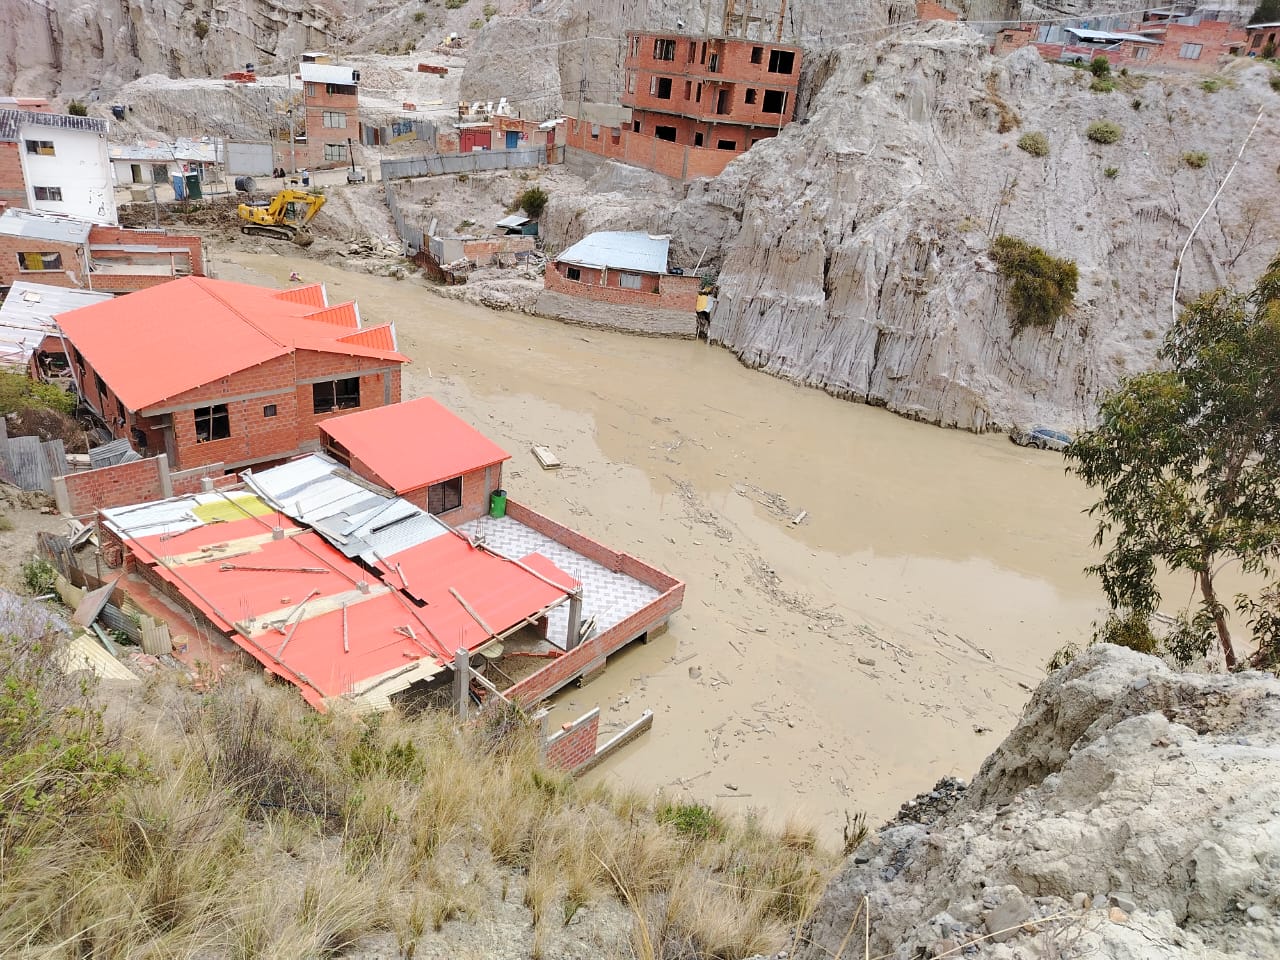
839,664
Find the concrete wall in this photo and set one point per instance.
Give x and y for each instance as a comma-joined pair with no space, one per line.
80,167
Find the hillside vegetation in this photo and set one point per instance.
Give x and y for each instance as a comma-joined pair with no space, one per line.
242,824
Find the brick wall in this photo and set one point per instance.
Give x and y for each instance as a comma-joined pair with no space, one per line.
483,251
70,275
575,743
191,246
674,160
668,292
117,486
316,102
13,185
927,10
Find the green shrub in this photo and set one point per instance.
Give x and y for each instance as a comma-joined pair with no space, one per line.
419,16
1042,286
533,201
1100,66
454,4
1275,82
489,11
77,109
39,576
1196,159
202,28
1111,172
1211,85
695,821
1102,85
1035,143
1103,131
477,24
22,393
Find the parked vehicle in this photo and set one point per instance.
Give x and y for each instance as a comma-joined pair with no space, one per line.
1045,438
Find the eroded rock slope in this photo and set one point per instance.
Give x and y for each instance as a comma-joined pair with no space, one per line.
1133,813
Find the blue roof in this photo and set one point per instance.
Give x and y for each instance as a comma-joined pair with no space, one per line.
620,251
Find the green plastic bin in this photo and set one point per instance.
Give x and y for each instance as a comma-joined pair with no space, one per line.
193,186
498,503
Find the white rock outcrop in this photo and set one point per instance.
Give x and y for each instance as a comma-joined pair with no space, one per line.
1133,813
861,265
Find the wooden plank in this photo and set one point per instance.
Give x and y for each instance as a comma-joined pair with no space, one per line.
546,459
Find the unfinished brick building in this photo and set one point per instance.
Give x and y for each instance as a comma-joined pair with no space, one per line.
696,102
207,371
331,106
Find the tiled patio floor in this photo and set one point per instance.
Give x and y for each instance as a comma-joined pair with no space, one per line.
607,596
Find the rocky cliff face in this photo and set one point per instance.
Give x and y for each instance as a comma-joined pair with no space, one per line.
1133,813
861,264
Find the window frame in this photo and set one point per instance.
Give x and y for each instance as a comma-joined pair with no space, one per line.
630,281
664,49
326,118
574,273
322,403
47,264
334,152
270,410
215,415
51,194
778,98
445,496
1197,47
37,148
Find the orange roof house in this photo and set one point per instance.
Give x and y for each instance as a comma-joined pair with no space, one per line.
421,451
209,371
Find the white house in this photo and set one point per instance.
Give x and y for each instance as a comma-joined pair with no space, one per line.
63,163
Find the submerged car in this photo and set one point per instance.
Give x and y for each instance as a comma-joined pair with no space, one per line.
1045,438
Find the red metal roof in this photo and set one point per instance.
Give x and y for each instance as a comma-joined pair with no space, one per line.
312,295
245,580
158,343
501,592
413,444
380,338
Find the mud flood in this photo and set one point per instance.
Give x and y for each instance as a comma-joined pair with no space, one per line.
841,663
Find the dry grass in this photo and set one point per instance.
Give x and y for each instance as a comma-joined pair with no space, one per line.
241,824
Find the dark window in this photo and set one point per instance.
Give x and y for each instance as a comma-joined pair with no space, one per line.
660,87
757,54
340,89
713,65
48,193
688,89
704,52
697,94
697,139
664,49
724,102
575,273
781,61
444,496
39,261
43,148
120,410
775,101
693,51
102,387
750,96
635,126
665,133
336,395
212,423
726,144
269,410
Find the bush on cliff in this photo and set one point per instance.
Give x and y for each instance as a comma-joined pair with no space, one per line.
1041,287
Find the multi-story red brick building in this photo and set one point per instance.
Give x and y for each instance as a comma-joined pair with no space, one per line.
65,252
1158,40
696,102
208,371
331,109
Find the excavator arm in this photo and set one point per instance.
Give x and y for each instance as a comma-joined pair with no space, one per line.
284,217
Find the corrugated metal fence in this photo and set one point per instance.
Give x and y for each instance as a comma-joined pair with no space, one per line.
410,233
477,162
30,462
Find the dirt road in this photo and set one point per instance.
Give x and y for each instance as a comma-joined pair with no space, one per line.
840,663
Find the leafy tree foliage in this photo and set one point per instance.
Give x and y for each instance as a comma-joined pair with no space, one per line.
1188,460
1267,11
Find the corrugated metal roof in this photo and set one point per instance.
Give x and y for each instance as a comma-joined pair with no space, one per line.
11,120
620,251
147,152
39,225
26,316
413,444
157,343
512,221
327,73
1107,36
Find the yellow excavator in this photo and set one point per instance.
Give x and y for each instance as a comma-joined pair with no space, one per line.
285,216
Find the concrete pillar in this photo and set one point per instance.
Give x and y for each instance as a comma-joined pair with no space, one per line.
575,619
461,681
166,484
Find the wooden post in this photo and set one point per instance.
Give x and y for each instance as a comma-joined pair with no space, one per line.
461,679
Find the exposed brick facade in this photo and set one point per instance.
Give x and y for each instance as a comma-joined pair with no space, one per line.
13,185
112,251
673,160
1199,47
70,275
287,383
82,493
927,10
659,292
319,99
575,743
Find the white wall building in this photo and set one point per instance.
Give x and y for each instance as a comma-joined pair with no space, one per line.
64,161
